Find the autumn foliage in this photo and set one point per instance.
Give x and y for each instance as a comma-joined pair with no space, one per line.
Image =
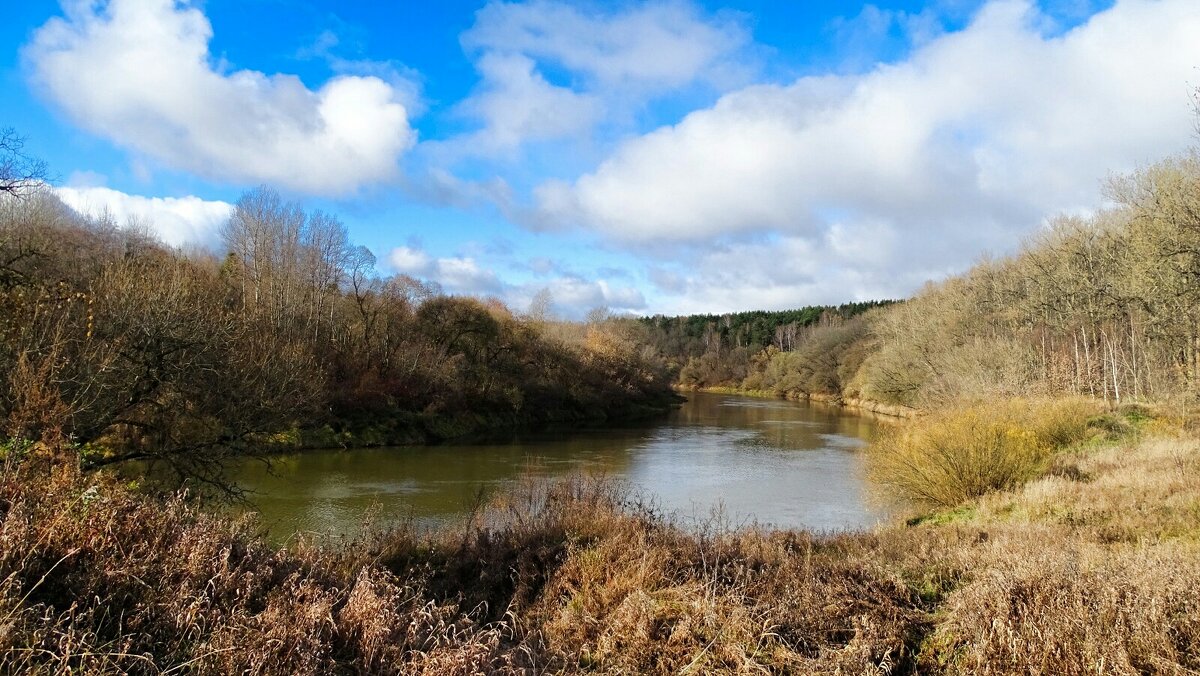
119,348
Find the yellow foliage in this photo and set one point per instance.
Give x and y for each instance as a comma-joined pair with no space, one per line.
955,455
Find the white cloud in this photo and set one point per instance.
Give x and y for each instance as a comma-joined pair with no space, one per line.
915,166
409,260
139,72
518,105
464,275
456,274
572,295
176,221
656,44
851,263
406,82
611,62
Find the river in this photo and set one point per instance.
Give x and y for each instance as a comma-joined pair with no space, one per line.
751,461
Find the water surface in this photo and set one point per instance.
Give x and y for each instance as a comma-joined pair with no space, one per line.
771,462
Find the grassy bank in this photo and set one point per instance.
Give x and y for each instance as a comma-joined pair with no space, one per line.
853,403
1090,563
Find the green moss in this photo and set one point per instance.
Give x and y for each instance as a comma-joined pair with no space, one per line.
940,651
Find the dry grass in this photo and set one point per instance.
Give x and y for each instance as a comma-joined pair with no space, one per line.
1094,568
955,455
96,580
1071,609
565,578
1144,490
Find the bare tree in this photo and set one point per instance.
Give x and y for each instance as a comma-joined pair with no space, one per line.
540,307
19,173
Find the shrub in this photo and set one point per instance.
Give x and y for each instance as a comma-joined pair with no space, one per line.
1061,422
953,456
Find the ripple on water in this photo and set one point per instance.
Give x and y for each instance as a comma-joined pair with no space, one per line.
759,460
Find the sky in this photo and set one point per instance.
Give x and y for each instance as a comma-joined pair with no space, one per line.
671,156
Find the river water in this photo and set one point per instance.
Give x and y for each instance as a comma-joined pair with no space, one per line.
749,461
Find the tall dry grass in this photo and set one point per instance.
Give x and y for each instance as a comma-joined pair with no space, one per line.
561,578
94,579
1035,605
958,454
1086,571
1141,491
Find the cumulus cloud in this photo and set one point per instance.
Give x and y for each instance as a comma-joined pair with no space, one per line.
612,60
410,260
406,82
656,44
961,148
572,295
458,275
518,105
139,72
177,221
778,272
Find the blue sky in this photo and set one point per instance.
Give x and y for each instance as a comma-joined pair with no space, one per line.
666,156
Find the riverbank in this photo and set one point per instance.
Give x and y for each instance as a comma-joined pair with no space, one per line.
851,403
1093,566
408,428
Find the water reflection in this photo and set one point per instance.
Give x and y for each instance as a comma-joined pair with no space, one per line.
773,462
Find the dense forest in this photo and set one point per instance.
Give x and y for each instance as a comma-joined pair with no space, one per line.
694,335
115,347
718,350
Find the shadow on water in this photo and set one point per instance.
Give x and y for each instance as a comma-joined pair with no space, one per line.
765,461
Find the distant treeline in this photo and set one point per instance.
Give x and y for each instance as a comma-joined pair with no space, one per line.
117,347
709,349
1106,305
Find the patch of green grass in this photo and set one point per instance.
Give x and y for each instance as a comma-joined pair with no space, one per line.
944,517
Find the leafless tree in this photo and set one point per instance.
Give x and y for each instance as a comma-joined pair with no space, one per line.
20,174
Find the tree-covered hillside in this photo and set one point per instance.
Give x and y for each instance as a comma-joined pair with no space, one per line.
692,335
117,347
709,349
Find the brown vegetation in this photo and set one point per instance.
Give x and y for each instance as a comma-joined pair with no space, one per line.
131,350
1066,538
955,455
1092,570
